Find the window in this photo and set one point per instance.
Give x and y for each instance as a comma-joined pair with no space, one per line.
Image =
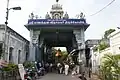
27,56
10,54
19,56
0,50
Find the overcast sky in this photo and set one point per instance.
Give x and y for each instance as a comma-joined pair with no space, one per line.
108,18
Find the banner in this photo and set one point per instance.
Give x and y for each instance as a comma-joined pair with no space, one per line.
56,21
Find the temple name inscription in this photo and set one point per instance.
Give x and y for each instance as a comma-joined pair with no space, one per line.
56,21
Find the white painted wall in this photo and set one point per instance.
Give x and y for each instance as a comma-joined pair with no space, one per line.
115,42
113,49
97,59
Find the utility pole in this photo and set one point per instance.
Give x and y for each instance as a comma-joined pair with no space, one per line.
4,43
5,48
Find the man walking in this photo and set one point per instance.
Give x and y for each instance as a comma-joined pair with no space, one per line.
58,67
66,69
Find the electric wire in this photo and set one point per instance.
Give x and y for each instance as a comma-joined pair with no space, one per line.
103,8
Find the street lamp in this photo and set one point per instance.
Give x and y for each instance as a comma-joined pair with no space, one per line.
7,14
118,27
16,8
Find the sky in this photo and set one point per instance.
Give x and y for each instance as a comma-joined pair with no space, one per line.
106,19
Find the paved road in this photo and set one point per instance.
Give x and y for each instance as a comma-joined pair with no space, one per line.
53,76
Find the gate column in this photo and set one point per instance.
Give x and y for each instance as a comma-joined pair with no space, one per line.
79,35
34,48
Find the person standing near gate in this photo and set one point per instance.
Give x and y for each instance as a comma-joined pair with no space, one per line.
51,67
66,69
58,67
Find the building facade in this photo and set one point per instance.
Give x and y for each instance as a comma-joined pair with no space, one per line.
92,42
16,46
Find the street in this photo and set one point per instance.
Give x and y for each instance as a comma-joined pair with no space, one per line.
54,76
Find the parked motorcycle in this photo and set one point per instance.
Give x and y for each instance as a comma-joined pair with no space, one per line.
30,74
26,75
40,69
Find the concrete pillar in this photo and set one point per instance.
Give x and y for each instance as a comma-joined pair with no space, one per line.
74,44
79,35
37,52
31,46
34,39
41,49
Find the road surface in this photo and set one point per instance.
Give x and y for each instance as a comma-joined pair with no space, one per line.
54,76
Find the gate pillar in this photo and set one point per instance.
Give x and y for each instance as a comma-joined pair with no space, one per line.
79,35
34,42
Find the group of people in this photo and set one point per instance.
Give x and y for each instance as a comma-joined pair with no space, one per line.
63,68
48,67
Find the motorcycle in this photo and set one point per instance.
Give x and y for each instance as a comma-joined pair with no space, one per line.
30,74
40,70
26,75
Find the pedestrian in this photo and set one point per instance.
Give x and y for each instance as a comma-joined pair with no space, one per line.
47,67
51,67
66,69
58,67
61,67
74,72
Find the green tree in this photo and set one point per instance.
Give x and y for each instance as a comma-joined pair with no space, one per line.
64,55
110,66
108,32
104,43
10,67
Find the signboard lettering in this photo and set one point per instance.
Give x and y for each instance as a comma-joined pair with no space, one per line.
55,21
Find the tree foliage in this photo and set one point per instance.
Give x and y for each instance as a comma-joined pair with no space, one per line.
63,57
108,32
110,66
104,43
10,67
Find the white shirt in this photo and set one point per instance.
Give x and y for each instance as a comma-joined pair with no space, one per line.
66,66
